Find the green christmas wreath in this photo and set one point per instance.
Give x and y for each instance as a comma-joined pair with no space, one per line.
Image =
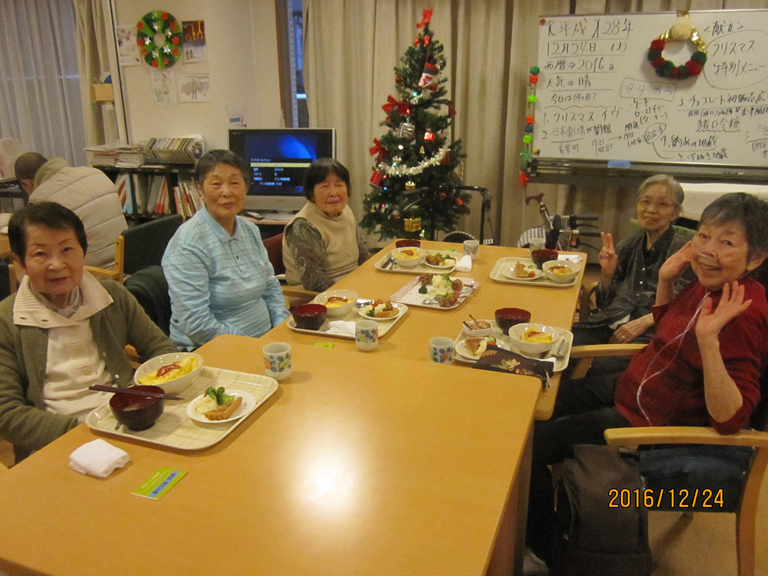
152,24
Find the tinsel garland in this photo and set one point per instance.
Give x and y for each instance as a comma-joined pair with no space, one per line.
391,170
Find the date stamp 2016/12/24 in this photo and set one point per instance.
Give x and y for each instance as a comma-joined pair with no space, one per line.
683,498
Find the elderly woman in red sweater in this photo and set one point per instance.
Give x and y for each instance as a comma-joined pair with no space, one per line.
702,368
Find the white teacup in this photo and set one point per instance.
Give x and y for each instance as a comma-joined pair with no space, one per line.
367,334
471,247
277,360
441,350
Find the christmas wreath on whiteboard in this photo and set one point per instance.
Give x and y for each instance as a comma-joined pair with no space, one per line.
158,35
682,31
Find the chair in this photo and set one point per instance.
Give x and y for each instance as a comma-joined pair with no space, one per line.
150,288
140,247
274,246
735,462
8,283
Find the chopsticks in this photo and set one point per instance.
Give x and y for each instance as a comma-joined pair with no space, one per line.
133,392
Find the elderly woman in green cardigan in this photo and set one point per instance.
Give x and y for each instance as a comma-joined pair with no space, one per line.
62,332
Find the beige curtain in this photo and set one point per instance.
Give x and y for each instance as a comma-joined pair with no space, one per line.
96,59
351,49
39,93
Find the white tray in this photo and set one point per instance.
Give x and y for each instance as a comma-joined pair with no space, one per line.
352,316
175,429
560,363
503,264
422,268
409,294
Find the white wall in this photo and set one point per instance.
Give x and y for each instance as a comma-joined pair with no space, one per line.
241,40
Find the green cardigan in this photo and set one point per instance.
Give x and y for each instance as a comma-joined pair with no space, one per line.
23,358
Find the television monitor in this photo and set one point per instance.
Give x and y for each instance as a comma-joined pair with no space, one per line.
279,159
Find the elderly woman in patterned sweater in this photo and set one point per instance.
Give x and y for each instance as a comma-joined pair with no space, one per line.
323,243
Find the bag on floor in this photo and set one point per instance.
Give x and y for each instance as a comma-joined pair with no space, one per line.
600,529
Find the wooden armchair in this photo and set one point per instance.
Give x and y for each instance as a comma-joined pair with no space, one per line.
739,460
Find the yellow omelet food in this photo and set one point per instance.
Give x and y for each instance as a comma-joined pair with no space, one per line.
533,336
170,372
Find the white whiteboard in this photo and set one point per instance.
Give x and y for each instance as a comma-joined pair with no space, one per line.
599,98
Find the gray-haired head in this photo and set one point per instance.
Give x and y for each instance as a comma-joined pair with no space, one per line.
674,189
746,209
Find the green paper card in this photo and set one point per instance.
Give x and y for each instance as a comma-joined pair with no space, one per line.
323,345
160,482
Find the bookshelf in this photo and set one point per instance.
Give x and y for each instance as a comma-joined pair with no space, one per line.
154,191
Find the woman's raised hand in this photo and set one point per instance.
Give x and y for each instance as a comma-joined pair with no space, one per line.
607,255
731,304
676,264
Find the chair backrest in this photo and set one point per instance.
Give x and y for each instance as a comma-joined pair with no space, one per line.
145,244
274,246
150,288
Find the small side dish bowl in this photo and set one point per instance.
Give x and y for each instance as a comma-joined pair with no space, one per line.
508,317
561,271
543,255
174,385
405,243
309,316
409,257
137,413
517,333
341,302
478,328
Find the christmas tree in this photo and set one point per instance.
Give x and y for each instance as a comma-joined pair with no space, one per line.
414,154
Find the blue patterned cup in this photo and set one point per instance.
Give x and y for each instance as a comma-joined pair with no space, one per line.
277,360
441,350
367,334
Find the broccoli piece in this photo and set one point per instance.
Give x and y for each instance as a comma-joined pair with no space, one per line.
219,395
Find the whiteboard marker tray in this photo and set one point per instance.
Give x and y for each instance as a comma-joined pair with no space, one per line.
175,429
504,265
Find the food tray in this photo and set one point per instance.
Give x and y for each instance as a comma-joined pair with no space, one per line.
560,363
422,268
409,294
175,429
351,316
503,264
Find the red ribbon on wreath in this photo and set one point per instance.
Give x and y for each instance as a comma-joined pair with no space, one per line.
402,107
426,16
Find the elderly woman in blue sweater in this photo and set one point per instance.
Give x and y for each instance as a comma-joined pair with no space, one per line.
219,275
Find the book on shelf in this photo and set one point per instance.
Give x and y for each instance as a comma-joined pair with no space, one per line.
104,155
174,150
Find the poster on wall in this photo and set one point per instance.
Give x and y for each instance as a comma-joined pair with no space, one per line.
194,88
127,49
194,41
164,88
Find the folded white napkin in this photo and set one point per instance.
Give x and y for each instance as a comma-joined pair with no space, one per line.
465,264
98,458
570,257
341,327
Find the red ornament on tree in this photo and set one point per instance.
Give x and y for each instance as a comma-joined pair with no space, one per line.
398,80
428,78
443,195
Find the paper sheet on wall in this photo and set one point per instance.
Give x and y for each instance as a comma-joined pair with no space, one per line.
194,41
164,88
195,88
127,49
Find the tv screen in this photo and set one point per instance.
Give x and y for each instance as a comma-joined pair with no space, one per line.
279,160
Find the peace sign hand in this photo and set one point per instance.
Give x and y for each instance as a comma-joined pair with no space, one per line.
607,256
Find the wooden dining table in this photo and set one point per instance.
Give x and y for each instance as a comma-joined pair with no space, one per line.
359,464
409,337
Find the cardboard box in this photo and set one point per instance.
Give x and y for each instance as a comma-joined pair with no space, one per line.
102,93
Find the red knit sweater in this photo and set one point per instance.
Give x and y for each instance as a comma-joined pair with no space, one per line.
675,396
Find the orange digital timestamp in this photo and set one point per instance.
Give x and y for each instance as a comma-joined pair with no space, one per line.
649,498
